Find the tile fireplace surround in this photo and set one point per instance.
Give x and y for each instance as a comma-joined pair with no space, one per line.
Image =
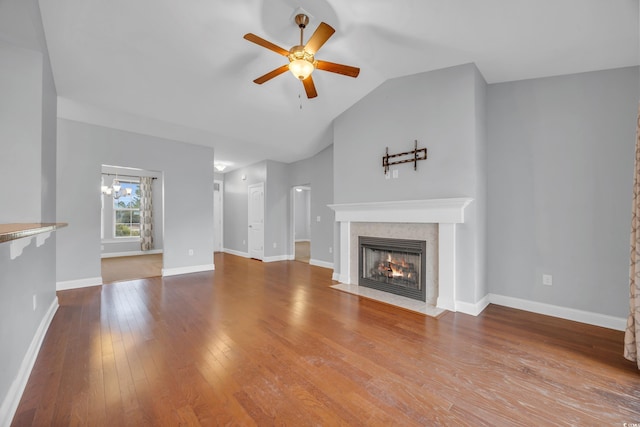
403,219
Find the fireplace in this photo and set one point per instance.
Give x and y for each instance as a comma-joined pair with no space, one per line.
393,265
406,219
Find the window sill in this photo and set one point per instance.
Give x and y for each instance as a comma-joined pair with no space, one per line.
122,240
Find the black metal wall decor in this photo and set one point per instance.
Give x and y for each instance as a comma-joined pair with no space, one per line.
416,154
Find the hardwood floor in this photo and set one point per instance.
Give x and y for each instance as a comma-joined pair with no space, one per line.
302,251
131,267
270,343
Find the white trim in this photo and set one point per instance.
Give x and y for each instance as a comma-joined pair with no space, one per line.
319,263
335,277
16,389
276,258
117,240
473,309
78,283
596,319
130,253
187,270
302,240
415,211
221,186
236,253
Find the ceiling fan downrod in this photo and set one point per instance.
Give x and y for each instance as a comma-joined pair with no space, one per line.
302,21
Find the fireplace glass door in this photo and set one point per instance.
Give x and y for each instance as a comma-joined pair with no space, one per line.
393,265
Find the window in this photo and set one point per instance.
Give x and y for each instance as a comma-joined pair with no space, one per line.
126,212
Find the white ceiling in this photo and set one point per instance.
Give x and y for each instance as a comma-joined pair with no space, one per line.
181,69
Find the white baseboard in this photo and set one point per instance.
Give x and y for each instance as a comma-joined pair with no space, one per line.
78,283
276,258
186,270
319,263
302,240
335,277
14,394
234,252
130,253
472,309
590,318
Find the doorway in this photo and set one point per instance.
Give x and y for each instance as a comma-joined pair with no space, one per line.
301,202
122,208
256,221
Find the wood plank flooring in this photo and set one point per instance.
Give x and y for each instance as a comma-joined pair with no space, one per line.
131,267
302,251
271,344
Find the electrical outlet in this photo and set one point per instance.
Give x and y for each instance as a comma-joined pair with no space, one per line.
330,250
35,302
318,218
395,173
275,245
244,242
547,280
190,252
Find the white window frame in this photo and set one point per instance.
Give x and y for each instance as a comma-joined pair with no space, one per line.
115,210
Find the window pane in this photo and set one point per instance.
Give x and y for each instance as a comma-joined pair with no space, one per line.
135,216
123,217
132,201
123,230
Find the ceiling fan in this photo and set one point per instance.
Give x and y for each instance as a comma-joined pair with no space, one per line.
301,57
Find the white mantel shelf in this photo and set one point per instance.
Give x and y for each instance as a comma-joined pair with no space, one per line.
444,212
415,211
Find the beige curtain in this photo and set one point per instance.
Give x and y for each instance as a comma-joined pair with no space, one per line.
146,214
632,333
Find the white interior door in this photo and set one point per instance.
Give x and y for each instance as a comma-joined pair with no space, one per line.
217,216
256,221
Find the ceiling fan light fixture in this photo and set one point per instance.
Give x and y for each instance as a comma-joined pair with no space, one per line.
301,68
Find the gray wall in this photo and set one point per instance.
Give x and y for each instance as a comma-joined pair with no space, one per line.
188,194
277,210
444,111
317,172
561,153
28,135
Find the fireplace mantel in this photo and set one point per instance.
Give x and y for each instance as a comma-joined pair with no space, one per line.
444,212
414,211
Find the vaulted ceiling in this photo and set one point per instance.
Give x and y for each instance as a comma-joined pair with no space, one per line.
182,70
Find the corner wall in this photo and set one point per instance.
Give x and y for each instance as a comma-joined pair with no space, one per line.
28,135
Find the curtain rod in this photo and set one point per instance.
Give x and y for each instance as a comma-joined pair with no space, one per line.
128,176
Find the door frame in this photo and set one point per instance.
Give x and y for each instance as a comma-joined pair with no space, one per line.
221,184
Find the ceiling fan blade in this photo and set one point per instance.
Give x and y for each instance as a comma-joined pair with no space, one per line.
272,74
332,67
309,87
319,37
264,43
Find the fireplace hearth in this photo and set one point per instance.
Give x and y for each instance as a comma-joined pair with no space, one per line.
393,265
